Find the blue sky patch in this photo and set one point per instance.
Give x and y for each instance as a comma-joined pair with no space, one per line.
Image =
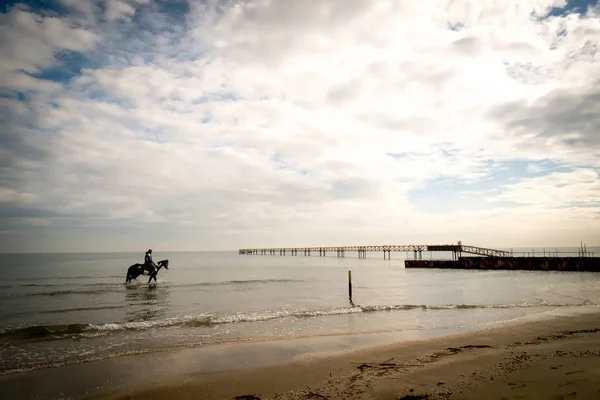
399,156
11,94
445,195
69,64
572,7
103,96
282,165
52,6
217,97
583,204
174,10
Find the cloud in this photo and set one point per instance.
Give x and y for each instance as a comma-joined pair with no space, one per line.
267,123
87,7
116,9
94,11
567,117
578,188
30,41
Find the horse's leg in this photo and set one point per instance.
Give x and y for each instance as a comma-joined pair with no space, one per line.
153,275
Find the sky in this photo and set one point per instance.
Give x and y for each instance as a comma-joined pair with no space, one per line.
218,125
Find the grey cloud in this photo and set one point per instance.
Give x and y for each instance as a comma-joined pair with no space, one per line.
353,189
266,31
20,143
469,46
523,47
285,15
344,92
417,125
297,194
24,156
29,42
20,211
392,77
91,11
557,115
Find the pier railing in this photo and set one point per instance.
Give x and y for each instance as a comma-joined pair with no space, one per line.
418,249
481,251
386,249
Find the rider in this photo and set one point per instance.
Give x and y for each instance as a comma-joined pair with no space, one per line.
149,263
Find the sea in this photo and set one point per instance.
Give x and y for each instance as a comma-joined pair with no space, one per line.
59,309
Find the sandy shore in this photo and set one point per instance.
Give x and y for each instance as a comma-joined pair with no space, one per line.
555,358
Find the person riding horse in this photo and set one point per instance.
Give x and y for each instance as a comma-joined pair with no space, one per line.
149,263
139,269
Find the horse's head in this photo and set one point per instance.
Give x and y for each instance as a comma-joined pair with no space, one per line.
164,263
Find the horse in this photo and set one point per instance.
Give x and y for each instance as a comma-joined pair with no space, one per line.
140,269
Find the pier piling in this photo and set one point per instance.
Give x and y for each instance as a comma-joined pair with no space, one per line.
350,285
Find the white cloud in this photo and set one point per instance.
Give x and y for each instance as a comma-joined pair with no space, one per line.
29,41
116,9
92,10
558,189
267,117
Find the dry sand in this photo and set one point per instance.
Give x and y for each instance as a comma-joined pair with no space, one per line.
556,358
549,359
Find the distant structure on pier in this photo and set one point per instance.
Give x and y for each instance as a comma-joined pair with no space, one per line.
488,258
418,249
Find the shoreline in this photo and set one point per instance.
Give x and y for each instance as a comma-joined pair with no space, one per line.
305,366
368,326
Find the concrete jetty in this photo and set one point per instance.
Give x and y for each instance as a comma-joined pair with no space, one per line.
582,263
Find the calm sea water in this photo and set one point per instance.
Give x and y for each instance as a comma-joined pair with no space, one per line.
57,309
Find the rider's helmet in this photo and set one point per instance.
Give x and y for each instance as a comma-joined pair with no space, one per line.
150,251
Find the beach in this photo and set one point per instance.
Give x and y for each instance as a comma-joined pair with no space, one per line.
551,356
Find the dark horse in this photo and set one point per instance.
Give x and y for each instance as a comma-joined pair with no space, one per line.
140,269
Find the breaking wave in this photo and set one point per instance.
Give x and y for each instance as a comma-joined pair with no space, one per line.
207,320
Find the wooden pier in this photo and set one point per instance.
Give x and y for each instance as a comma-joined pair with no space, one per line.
488,258
417,249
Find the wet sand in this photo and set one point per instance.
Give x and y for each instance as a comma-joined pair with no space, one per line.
552,358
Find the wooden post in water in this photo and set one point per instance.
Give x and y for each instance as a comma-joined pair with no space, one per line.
350,285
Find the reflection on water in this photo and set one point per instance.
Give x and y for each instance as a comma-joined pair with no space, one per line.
146,303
